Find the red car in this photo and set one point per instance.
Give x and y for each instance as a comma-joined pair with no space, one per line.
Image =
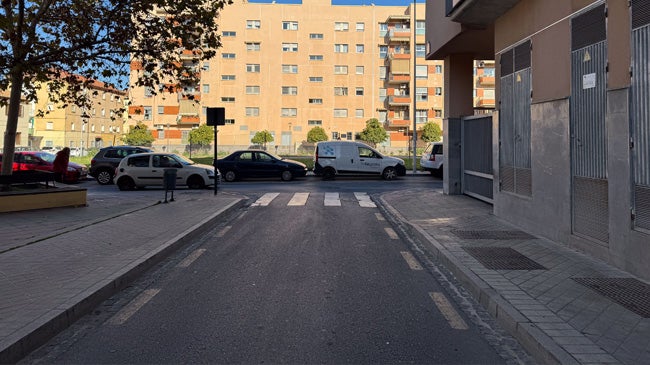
43,161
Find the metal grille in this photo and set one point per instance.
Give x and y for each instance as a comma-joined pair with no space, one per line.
640,13
640,112
476,157
590,208
492,235
630,293
588,28
502,258
642,207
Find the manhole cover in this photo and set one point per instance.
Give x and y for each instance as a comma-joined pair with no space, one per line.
492,235
630,293
502,258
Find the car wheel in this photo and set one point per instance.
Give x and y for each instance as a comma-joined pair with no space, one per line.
286,175
439,172
104,177
195,182
328,173
126,183
389,173
230,176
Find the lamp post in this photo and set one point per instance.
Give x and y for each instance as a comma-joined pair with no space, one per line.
84,122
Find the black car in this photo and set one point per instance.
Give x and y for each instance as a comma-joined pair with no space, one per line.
102,166
257,163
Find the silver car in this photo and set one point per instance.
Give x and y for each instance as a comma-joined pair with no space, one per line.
148,169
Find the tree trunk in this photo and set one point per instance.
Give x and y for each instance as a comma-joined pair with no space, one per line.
12,121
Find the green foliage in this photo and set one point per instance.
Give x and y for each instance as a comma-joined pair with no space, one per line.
374,132
202,136
139,135
262,138
316,134
431,132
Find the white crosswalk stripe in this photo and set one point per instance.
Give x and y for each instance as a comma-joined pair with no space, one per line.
265,199
332,200
298,199
364,200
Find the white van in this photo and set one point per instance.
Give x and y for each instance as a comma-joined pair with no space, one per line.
354,158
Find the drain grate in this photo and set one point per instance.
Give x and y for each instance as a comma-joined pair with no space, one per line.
630,293
492,235
502,258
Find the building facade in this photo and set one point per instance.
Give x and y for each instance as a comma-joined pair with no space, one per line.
288,68
570,139
23,127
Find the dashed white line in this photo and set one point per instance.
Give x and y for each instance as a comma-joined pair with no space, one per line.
265,199
332,200
123,315
223,231
364,200
411,260
191,258
298,199
448,311
379,217
391,233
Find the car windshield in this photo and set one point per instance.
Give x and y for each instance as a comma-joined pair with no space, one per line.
275,156
45,156
183,160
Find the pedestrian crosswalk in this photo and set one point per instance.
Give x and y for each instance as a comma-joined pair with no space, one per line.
327,199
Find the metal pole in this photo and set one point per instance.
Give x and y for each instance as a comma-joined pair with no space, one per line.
215,159
414,91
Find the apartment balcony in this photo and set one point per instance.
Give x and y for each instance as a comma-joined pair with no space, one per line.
477,12
398,56
485,81
399,100
399,35
403,18
484,103
190,55
188,119
395,123
394,79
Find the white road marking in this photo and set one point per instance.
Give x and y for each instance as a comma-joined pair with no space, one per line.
379,217
123,315
191,258
448,311
364,200
298,199
332,200
411,261
391,233
223,231
265,199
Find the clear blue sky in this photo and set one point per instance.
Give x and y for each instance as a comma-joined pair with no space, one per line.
348,2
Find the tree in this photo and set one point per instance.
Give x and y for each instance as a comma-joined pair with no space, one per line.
431,132
139,135
374,132
262,137
69,44
316,134
202,136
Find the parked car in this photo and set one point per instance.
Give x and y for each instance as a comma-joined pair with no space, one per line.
354,158
258,163
51,149
103,165
432,158
44,161
148,169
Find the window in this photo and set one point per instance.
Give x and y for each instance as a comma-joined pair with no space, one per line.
204,110
206,88
289,90
383,51
340,70
229,121
161,110
289,69
340,91
420,50
206,66
421,72
421,94
252,111
314,122
315,57
438,69
49,126
488,71
341,26
340,113
382,72
252,67
228,55
335,136
103,96
383,29
315,101
289,112
361,27
148,92
227,77
103,112
341,48
315,35
315,79
382,115
358,113
253,24
252,90
229,33
253,46
289,47
228,99
360,48
421,116
438,91
359,70
382,94
147,113
290,25
437,113
420,26
358,91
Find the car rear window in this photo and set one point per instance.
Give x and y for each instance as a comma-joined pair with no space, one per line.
437,149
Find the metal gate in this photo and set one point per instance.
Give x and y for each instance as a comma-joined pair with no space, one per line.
640,121
590,209
476,157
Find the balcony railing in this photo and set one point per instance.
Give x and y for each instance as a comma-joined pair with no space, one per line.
486,80
399,56
399,100
399,79
399,34
399,122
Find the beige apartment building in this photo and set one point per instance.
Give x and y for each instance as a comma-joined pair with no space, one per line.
23,127
287,68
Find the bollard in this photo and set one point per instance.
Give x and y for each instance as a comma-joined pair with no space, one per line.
169,182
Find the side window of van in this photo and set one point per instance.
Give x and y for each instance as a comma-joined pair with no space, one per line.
366,152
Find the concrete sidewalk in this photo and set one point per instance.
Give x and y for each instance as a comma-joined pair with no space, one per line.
549,297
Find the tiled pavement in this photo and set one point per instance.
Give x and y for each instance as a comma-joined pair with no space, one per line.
72,258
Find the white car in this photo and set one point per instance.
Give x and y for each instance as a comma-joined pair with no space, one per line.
354,158
432,158
148,169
